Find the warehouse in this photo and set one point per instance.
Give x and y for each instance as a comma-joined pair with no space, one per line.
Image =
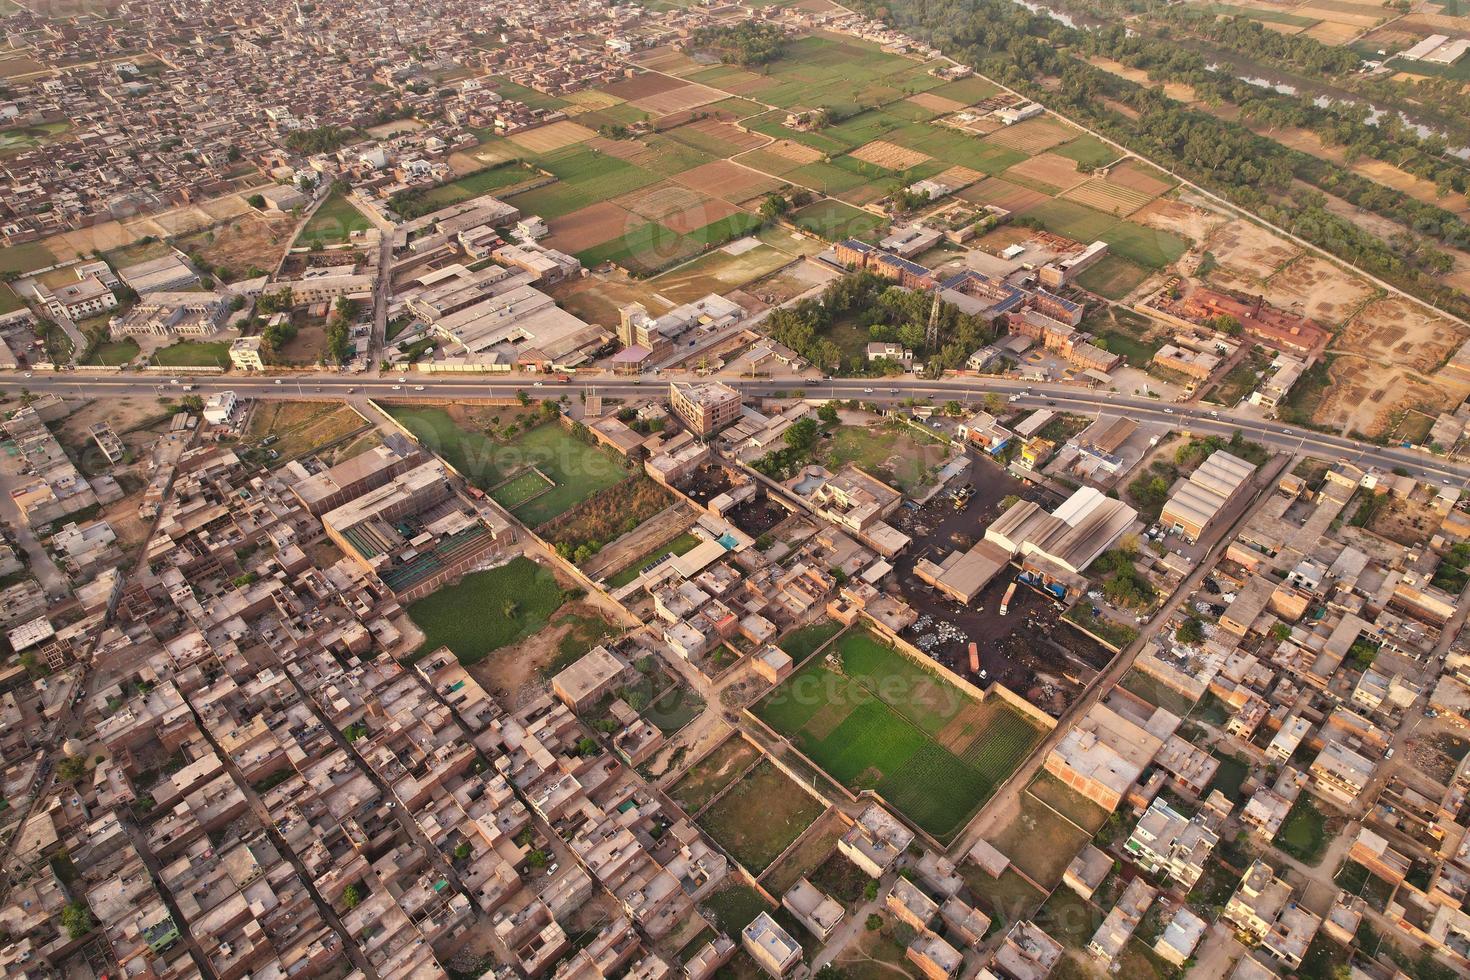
1194,503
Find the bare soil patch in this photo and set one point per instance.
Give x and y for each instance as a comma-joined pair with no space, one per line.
642,86
681,99
1033,135
728,181
1249,253
889,155
1139,176
1318,289
1003,194
592,225
1051,170
555,136
1399,332
936,103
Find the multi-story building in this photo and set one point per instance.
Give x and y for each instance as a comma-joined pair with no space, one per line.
77,300
705,407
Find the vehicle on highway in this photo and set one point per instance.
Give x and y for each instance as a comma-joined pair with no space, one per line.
867,391
538,385
279,381
418,387
173,381
398,387
402,380
564,379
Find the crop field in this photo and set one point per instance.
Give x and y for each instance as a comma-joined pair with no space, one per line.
1104,195
1047,172
729,181
487,610
718,272
556,136
584,177
589,226
719,139
877,720
785,808
1032,136
497,177
1003,194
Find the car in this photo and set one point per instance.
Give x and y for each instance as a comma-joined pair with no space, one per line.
398,387
279,381
28,374
1051,404
893,391
1286,432
539,384
418,387
1445,482
867,391
1214,415
1388,754
173,381
1168,411
351,389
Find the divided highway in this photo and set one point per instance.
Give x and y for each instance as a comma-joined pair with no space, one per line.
1061,397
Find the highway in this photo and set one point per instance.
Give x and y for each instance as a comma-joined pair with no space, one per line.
1062,397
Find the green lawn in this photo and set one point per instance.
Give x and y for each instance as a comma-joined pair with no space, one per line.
487,610
1113,277
1087,150
578,469
334,222
194,353
114,353
680,545
882,723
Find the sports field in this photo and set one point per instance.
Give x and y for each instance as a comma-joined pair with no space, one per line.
334,222
878,720
577,470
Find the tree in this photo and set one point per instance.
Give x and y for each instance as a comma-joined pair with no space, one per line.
870,890
587,746
801,436
72,768
256,201
875,922
1190,631
352,896
773,207
537,858
522,397
828,413
77,919
462,851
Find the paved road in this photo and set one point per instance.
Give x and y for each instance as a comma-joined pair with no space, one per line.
1063,397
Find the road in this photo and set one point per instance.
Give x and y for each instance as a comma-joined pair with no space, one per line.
1061,397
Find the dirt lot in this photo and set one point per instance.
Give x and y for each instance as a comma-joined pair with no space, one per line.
1371,397
1247,254
728,181
514,673
597,298
1182,219
544,139
1399,332
249,242
1318,289
593,225
791,281
300,427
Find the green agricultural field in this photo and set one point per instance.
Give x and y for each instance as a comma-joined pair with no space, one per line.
536,100
584,177
785,808
578,469
20,138
642,250
487,610
1073,221
1148,247
835,221
887,723
334,222
680,545
1087,150
194,353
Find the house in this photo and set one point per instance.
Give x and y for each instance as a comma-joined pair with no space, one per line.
770,946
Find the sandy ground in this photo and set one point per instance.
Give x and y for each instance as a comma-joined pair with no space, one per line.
1319,289
1186,220
1247,253
513,673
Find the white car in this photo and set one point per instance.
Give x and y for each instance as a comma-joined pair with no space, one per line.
279,381
418,387
402,380
398,387
539,384
867,391
1168,411
28,374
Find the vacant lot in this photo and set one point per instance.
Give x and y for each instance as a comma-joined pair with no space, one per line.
589,227
513,602
886,723
1113,277
894,453
816,848
299,427
704,780
785,809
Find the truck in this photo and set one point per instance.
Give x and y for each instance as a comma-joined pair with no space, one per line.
1006,601
974,658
